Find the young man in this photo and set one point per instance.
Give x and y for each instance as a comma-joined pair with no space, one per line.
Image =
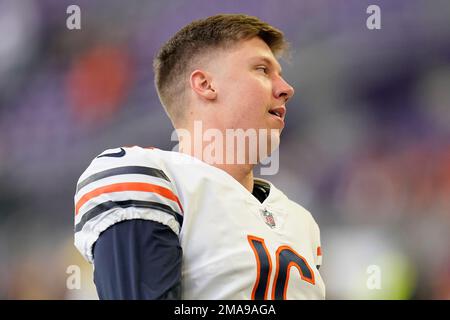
196,224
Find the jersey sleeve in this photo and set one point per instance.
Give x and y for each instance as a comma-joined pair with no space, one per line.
138,260
123,184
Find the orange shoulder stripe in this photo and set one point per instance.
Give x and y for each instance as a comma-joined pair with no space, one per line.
127,186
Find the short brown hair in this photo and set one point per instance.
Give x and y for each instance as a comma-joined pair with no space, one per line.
173,60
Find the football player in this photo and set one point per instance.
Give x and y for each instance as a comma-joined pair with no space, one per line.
181,225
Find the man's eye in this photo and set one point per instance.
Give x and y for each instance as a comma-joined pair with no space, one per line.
262,68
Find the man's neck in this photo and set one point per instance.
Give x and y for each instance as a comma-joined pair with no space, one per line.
242,173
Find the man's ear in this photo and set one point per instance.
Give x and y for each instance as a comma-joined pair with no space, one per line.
200,82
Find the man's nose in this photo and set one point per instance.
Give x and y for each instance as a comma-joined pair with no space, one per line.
284,90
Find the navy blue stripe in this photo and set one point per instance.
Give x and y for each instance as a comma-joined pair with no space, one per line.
287,256
264,269
108,205
123,170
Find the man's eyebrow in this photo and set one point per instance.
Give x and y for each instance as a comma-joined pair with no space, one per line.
269,62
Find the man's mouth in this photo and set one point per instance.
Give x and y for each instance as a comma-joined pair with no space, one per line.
279,111
276,113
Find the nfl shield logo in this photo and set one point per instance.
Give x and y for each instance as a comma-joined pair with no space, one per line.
268,218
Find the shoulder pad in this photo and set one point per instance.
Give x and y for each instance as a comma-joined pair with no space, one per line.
122,184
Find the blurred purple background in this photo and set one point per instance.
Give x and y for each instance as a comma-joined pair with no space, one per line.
366,148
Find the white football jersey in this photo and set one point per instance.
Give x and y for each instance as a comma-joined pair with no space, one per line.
234,246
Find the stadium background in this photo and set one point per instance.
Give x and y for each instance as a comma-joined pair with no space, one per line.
366,147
